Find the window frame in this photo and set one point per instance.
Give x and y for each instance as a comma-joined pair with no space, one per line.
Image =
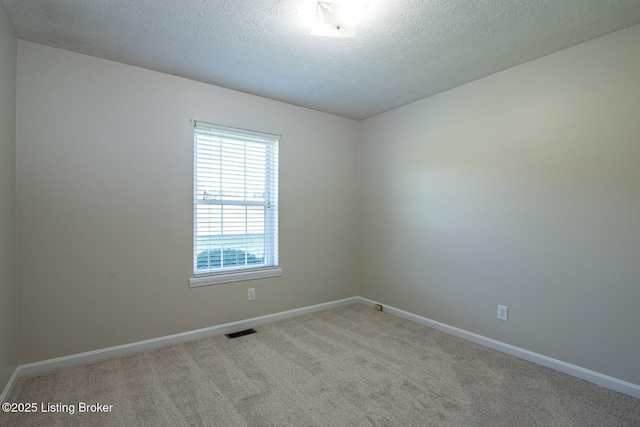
270,268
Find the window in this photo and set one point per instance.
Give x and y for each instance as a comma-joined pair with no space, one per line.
235,232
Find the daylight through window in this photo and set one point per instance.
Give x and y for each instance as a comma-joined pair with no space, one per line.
235,201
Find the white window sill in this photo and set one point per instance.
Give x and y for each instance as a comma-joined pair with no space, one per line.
237,276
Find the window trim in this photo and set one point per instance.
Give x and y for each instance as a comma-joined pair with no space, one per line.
234,276
242,273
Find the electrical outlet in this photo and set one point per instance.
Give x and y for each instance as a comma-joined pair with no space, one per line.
252,294
503,312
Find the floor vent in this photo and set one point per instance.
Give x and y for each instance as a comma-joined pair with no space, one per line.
241,333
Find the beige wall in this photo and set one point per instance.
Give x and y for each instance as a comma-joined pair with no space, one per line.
8,316
104,170
522,189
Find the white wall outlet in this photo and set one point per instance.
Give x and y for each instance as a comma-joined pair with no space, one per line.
252,294
503,312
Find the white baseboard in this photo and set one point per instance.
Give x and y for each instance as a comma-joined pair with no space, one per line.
126,349
10,385
558,365
122,350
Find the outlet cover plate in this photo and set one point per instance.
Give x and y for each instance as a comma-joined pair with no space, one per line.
503,312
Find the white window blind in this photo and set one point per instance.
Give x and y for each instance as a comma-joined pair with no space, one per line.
235,200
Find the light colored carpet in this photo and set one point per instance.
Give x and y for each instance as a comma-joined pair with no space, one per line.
348,366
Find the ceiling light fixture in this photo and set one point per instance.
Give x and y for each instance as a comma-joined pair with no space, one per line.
338,18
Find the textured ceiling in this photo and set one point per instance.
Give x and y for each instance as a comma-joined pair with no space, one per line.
405,50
